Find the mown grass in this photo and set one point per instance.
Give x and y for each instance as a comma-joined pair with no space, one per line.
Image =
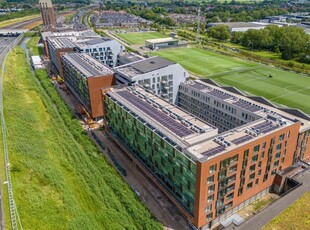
284,87
296,216
139,37
60,179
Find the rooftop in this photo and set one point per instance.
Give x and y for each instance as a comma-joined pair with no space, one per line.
239,24
87,65
143,66
161,40
259,108
61,42
95,41
181,127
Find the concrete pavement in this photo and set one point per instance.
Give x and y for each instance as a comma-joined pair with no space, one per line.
262,218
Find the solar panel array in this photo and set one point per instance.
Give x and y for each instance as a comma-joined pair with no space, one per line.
265,127
241,139
219,94
199,86
160,117
213,151
247,106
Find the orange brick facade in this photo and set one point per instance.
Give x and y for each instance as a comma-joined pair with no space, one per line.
253,172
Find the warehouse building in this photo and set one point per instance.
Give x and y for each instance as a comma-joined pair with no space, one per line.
103,49
161,76
208,175
57,46
240,26
161,43
85,76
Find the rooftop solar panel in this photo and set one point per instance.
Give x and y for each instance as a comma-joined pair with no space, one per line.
160,117
213,151
241,139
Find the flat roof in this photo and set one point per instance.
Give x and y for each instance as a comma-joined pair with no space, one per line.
161,40
261,108
181,127
87,65
238,24
144,66
96,41
61,42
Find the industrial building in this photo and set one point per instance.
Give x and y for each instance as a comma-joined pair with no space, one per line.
161,43
240,26
103,49
85,76
207,171
161,76
55,47
48,14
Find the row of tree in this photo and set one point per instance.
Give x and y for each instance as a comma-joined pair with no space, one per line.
292,42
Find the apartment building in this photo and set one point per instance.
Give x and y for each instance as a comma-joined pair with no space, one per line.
227,108
161,76
103,49
84,77
47,13
208,175
56,46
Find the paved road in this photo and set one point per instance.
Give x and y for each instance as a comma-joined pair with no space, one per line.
262,218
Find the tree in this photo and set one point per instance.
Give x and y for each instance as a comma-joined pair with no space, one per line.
219,32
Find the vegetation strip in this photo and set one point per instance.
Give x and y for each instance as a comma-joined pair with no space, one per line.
61,181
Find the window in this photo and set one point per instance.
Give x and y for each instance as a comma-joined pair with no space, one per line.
259,172
210,198
242,174
262,154
259,164
279,146
225,163
252,168
240,191
211,189
264,145
256,149
256,181
208,208
281,137
276,164
210,180
230,196
273,172
246,154
249,185
209,216
222,174
278,155
233,169
234,159
265,177
242,182
252,176
254,158
212,168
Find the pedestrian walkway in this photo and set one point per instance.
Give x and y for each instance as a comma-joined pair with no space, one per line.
259,220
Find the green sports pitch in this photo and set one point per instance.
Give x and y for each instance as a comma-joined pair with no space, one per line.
139,37
279,86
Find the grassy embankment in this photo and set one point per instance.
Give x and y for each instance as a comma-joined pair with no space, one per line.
12,21
60,179
284,87
296,216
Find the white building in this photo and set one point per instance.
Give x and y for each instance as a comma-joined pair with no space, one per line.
159,75
103,49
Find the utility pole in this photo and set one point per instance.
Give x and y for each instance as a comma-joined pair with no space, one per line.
198,27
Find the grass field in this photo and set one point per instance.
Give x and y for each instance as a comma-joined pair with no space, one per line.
284,87
296,216
12,21
60,179
140,37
